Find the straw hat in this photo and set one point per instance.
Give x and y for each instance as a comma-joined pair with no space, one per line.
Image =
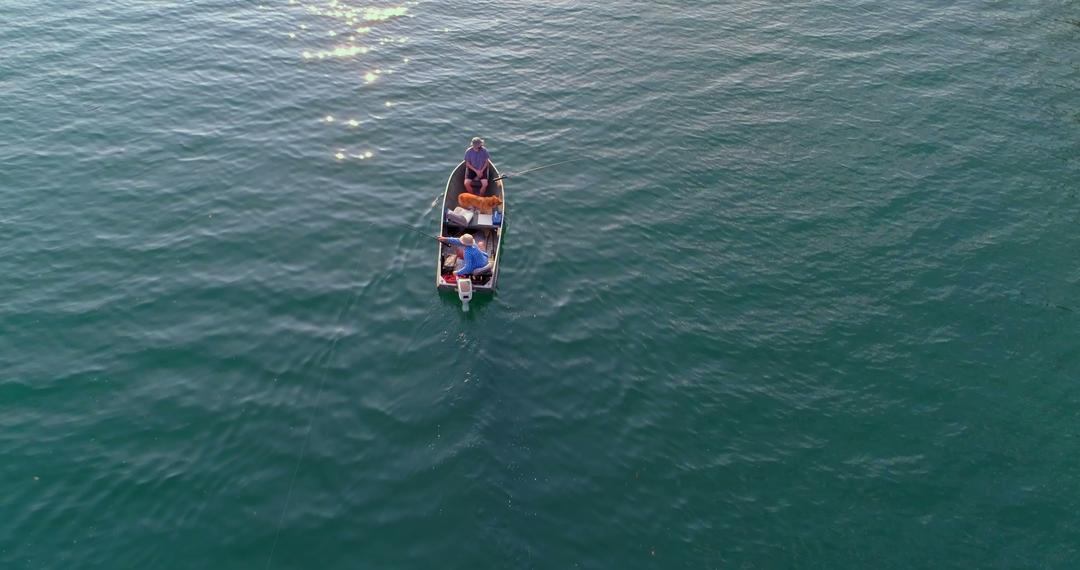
467,239
477,141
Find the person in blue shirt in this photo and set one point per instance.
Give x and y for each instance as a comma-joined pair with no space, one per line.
477,160
474,257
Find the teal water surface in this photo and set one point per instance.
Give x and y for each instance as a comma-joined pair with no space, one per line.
811,302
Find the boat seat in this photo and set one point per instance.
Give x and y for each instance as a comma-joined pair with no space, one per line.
485,270
457,220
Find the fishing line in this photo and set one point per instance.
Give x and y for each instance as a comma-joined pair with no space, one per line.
1045,302
303,452
314,414
311,424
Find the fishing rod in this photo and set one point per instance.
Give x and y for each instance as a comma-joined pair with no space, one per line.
412,229
508,175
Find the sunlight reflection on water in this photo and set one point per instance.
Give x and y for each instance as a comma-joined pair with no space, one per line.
344,23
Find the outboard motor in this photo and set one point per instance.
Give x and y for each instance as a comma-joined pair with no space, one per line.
464,292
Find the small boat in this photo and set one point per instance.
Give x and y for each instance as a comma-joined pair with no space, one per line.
487,230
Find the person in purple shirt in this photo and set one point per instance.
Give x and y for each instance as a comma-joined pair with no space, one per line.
477,161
